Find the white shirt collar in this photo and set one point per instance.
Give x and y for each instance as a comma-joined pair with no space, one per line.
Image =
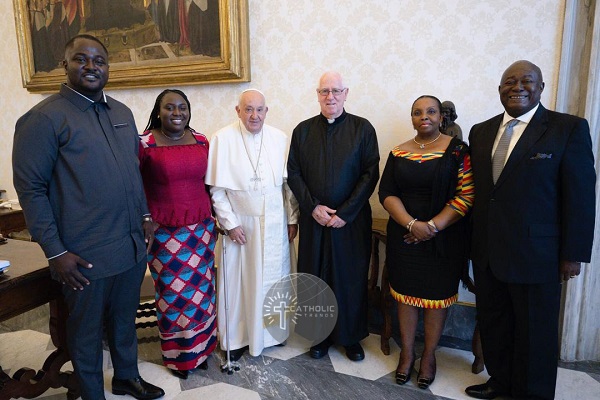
522,118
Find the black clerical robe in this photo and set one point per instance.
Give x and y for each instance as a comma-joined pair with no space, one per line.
337,165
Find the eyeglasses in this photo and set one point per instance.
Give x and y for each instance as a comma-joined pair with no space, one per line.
259,110
335,92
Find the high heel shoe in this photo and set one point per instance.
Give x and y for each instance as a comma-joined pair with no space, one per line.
425,382
403,377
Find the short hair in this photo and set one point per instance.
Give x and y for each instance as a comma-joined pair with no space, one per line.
427,96
71,42
154,120
534,67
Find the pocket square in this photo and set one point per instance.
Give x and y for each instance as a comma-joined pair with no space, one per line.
121,125
541,156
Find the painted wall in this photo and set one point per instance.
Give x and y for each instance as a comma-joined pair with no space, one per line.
389,51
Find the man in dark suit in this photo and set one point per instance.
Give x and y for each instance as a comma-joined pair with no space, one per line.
533,222
77,175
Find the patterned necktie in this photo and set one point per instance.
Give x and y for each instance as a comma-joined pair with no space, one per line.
502,149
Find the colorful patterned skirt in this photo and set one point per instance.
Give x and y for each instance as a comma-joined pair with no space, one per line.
182,265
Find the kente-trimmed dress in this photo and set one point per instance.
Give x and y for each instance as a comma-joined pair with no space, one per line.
181,259
427,274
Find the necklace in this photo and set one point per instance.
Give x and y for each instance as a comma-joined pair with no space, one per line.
175,138
422,145
256,178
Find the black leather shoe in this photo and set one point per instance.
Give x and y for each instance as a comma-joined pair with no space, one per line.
236,354
320,350
355,352
136,387
483,391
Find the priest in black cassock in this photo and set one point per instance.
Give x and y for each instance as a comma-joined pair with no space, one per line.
333,168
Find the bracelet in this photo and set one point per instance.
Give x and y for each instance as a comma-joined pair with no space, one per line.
432,224
410,225
147,218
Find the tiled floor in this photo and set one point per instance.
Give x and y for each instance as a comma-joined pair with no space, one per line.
289,373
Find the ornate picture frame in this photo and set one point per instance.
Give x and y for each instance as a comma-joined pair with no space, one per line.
140,54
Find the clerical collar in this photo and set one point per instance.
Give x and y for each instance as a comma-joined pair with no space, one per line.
332,121
245,131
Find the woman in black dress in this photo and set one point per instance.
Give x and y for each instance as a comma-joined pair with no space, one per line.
427,188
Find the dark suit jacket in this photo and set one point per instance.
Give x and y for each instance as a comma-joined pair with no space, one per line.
542,208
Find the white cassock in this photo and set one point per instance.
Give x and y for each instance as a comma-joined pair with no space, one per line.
249,189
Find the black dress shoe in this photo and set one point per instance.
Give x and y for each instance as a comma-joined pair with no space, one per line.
355,352
136,387
180,373
320,350
483,391
236,354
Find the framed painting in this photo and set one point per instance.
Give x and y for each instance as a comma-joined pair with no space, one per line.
150,42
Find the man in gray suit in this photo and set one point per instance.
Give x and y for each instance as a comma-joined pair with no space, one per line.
533,225
77,176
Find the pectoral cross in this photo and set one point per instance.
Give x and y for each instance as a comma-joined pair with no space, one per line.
256,179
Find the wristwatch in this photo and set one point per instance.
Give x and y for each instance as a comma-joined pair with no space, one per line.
147,218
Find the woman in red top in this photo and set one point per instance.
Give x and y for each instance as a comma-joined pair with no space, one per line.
173,161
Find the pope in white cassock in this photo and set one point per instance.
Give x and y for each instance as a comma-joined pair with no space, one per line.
247,174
